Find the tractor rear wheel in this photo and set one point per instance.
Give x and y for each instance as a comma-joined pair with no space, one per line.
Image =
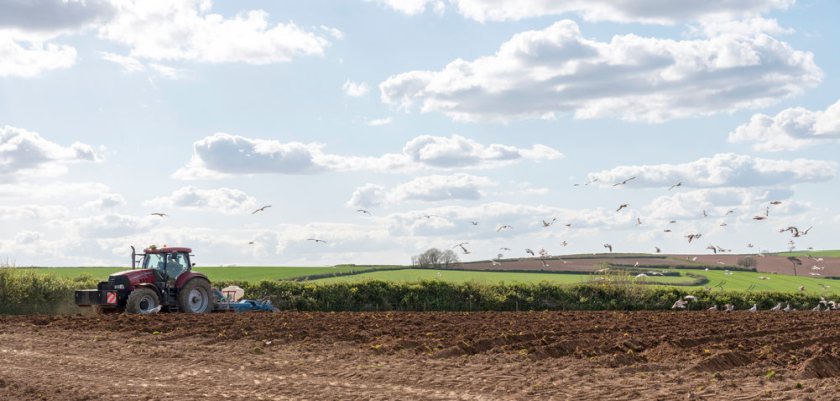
196,297
142,300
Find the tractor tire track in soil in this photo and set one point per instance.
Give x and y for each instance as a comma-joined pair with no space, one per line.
424,356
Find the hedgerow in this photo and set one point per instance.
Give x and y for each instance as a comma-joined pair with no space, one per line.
30,293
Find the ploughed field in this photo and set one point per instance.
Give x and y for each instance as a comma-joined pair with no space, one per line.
425,356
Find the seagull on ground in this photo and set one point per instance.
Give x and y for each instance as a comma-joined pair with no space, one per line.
778,307
754,308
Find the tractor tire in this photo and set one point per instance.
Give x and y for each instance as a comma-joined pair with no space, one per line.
142,300
196,297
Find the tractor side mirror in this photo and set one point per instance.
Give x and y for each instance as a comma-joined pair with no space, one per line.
193,264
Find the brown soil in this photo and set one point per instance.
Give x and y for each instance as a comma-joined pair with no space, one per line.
386,356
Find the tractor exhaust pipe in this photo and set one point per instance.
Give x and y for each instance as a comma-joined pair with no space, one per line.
133,258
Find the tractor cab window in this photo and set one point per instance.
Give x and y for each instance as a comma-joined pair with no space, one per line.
169,264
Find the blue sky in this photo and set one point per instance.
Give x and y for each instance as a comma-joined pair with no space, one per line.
463,110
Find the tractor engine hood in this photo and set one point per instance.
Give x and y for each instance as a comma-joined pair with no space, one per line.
134,277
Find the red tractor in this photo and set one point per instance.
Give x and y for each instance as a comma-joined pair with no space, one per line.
164,281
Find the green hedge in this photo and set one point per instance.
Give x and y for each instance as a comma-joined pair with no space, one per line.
443,296
28,293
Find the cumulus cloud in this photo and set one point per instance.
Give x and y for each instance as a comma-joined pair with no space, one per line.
525,220
537,74
187,30
378,122
109,225
355,89
24,152
790,129
224,200
222,154
106,201
413,7
430,188
32,212
715,201
52,15
27,237
27,58
644,11
721,170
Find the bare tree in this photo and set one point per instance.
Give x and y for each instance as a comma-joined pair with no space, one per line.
435,258
795,262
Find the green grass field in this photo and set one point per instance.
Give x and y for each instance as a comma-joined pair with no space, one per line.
460,276
736,281
816,254
243,273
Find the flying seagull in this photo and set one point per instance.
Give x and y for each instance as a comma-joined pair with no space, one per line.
624,182
692,237
658,250
608,246
475,223
161,215
460,244
713,248
705,214
776,203
679,184
362,211
504,227
639,220
760,218
529,251
730,211
261,209
466,252
548,223
621,206
316,240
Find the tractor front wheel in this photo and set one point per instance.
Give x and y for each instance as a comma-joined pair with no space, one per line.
196,297
142,300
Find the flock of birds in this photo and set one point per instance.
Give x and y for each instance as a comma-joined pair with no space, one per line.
794,231
823,305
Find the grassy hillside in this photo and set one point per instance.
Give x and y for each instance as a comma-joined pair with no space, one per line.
816,254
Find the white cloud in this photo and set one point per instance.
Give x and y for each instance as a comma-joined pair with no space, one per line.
27,237
224,200
413,7
186,30
790,129
106,201
431,188
61,190
110,225
32,212
715,201
378,122
27,59
24,152
52,15
222,154
166,71
645,11
128,64
721,170
525,220
355,89
368,196
537,74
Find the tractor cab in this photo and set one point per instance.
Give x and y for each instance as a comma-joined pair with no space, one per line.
167,263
